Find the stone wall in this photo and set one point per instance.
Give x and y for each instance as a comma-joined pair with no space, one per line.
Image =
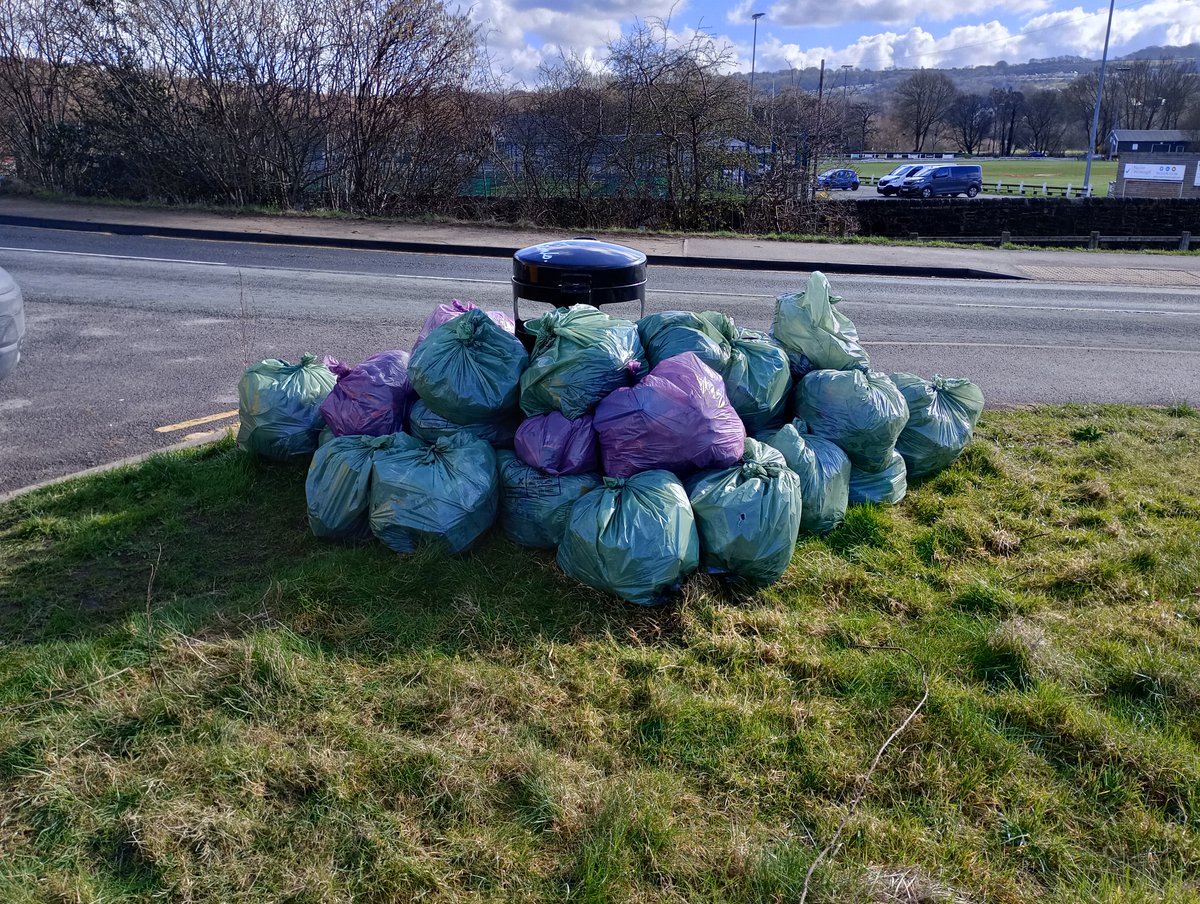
1028,217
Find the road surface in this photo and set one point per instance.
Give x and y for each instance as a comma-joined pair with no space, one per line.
135,344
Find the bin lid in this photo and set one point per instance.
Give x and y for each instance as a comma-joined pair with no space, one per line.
607,265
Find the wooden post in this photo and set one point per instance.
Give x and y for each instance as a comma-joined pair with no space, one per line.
1005,237
1094,240
1185,241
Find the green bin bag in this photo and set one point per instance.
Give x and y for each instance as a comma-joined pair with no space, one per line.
579,356
758,381
942,414
427,426
708,334
824,472
634,538
886,487
339,479
808,325
468,369
279,407
535,506
748,516
447,492
862,411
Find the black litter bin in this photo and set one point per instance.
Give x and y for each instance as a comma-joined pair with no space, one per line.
579,271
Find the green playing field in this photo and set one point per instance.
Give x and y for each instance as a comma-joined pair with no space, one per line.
1031,170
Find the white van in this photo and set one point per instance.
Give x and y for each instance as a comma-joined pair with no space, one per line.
12,324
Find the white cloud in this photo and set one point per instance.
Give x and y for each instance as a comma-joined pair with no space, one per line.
811,13
523,33
1067,32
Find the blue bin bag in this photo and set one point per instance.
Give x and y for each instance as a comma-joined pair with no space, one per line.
535,506
469,370
708,335
862,411
430,427
809,325
824,472
942,414
886,487
634,538
579,356
748,517
279,407
758,381
338,484
446,493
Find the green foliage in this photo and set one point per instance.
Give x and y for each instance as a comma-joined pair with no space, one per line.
293,720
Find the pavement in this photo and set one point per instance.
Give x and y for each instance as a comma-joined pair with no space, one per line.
1086,267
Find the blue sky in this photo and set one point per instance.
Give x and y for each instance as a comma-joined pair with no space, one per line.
876,34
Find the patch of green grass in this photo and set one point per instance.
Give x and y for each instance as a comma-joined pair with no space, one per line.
275,718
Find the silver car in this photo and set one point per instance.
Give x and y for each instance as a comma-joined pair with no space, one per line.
12,324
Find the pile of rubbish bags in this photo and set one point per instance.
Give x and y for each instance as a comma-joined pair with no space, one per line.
640,451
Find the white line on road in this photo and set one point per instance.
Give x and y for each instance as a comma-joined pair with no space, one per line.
1050,348
1039,307
118,257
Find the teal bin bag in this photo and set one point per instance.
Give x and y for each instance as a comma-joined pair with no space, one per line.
446,493
468,369
579,356
430,427
748,517
886,487
758,381
634,538
808,325
862,411
824,472
339,479
279,407
535,506
942,414
669,333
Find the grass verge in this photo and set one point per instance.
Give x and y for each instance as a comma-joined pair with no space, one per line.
200,702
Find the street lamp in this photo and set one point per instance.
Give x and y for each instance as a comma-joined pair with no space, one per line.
754,52
1091,151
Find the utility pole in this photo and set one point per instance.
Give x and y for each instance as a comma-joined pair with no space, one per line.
816,152
754,53
1091,151
846,67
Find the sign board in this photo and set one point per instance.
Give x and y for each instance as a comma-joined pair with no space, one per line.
1196,181
1155,172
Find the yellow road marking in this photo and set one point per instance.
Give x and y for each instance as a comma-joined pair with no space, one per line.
204,434
195,422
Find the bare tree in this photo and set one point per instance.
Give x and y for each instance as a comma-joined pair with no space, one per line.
1046,121
922,100
1009,106
970,121
40,81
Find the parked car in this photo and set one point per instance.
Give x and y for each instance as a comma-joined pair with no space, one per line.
12,324
944,180
838,178
890,184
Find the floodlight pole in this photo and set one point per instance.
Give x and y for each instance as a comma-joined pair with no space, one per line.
1091,151
754,52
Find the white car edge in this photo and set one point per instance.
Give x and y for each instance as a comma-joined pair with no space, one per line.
12,323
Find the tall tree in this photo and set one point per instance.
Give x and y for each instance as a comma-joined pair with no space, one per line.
970,121
1009,106
922,101
1046,121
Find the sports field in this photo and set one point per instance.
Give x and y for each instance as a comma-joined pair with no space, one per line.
1031,170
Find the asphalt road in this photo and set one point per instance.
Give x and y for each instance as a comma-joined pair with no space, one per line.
127,336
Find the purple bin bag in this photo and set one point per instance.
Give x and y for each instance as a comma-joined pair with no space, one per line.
557,445
372,398
678,418
447,312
